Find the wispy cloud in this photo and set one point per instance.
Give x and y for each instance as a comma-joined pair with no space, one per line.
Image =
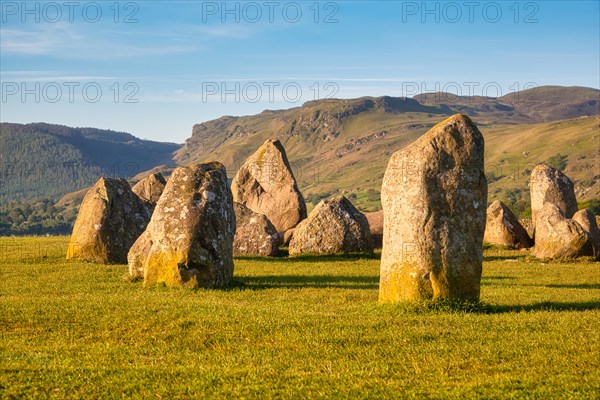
67,41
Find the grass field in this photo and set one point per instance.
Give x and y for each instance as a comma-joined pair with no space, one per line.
292,328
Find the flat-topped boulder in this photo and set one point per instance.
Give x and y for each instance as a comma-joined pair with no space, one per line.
150,189
266,185
557,237
255,234
334,226
111,218
189,240
503,228
550,185
434,198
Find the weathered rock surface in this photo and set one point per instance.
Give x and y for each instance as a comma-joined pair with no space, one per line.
587,220
150,188
549,185
287,236
503,228
376,227
266,185
255,234
557,237
434,197
334,226
527,224
111,218
189,240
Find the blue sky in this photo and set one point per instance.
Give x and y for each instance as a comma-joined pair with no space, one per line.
155,68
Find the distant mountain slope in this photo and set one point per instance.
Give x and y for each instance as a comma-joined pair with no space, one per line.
344,145
43,160
333,145
540,104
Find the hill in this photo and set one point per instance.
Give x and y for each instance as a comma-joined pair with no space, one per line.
344,145
335,146
46,161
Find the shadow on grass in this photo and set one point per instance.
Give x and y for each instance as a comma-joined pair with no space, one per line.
304,281
312,258
547,306
504,257
498,278
466,307
574,286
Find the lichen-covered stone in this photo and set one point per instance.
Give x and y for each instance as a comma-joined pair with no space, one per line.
111,218
255,234
587,220
150,189
266,185
334,226
434,197
550,185
557,237
503,228
189,240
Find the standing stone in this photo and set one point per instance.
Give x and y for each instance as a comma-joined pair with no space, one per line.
549,185
334,226
189,240
149,189
587,220
111,218
503,228
434,195
255,234
557,237
266,185
376,227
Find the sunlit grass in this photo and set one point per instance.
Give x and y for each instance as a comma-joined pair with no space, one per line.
293,328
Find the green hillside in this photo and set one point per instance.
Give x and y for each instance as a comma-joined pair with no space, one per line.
343,146
47,161
334,146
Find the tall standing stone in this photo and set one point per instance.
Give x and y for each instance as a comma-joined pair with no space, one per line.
550,185
266,185
111,218
434,197
503,228
150,189
189,240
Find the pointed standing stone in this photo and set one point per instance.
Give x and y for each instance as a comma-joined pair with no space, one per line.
150,188
503,228
434,197
266,185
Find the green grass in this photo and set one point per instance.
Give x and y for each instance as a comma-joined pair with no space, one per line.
308,327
